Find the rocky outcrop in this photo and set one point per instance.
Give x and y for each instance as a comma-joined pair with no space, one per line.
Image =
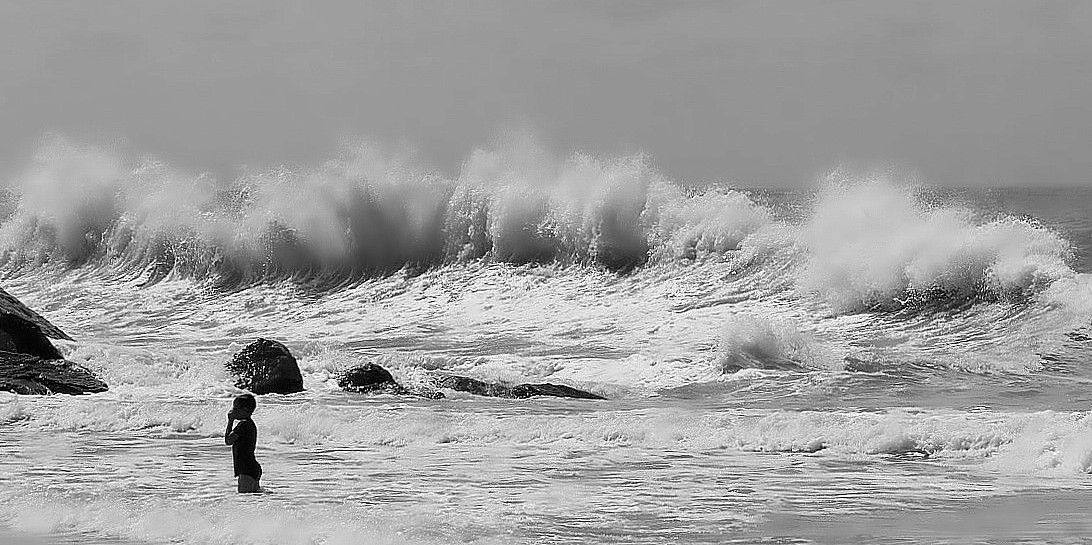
29,363
30,375
266,367
10,306
520,391
25,332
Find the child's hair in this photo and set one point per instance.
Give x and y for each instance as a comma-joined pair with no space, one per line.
246,401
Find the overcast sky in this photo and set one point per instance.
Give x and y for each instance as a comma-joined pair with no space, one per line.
761,93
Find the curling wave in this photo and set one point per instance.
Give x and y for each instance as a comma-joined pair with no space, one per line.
360,215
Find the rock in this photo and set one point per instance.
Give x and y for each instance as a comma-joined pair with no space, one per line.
30,375
521,391
368,378
29,363
266,367
24,331
555,390
473,386
11,306
374,379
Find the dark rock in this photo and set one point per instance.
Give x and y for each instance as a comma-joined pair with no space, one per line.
366,378
521,391
555,390
13,307
23,386
473,386
29,363
266,367
25,331
31,375
374,379
19,335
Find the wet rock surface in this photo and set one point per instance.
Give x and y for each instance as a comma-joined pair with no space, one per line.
374,379
29,363
30,375
520,391
266,367
369,378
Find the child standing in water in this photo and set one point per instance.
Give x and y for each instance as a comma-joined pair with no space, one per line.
243,440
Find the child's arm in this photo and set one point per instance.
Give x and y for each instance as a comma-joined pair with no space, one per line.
229,436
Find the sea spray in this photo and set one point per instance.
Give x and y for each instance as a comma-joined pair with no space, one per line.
874,246
362,214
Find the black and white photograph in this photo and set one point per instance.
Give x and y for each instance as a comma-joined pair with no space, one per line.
506,272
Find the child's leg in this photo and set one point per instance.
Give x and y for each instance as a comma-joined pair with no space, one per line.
248,484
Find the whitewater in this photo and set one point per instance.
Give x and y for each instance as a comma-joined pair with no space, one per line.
871,360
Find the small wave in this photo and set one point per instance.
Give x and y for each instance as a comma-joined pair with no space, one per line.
747,341
159,520
1059,440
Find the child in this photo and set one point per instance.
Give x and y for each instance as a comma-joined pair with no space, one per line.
242,440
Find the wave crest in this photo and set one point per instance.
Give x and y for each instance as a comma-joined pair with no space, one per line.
875,246
362,214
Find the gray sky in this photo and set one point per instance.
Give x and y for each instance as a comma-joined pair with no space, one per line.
762,93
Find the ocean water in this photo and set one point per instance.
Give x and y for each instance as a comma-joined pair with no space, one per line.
870,361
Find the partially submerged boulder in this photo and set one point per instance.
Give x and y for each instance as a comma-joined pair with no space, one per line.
554,390
30,375
370,378
29,363
266,367
473,386
520,391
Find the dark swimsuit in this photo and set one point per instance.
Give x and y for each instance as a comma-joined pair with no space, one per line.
242,450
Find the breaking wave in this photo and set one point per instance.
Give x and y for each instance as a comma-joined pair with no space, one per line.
865,245
361,214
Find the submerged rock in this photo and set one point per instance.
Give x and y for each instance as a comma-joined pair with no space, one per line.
554,390
521,391
374,379
369,378
266,367
30,375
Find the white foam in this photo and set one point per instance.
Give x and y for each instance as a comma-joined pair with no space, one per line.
876,245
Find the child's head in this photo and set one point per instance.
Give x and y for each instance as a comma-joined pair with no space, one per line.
244,405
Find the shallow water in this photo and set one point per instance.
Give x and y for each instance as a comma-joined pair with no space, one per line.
482,471
864,364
